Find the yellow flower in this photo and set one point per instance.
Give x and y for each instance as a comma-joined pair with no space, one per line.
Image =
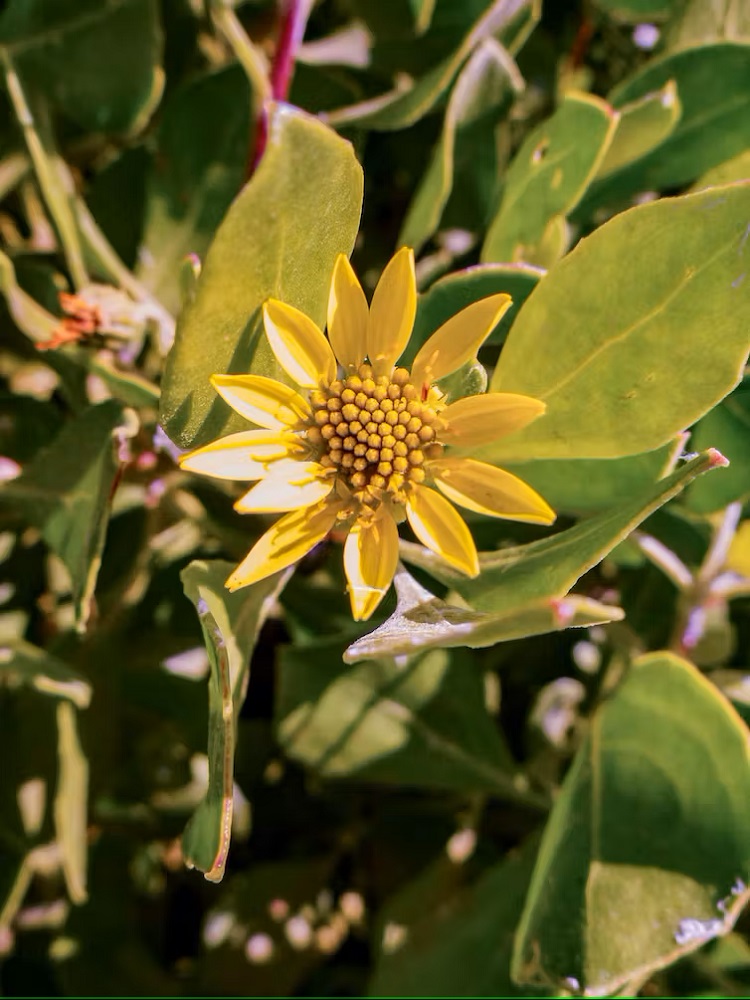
364,444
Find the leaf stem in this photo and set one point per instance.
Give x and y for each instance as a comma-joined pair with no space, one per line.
248,55
718,550
694,600
668,562
52,182
255,66
294,16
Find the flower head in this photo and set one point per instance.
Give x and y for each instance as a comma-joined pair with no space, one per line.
365,444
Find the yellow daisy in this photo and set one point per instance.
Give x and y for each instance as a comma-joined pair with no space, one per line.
364,444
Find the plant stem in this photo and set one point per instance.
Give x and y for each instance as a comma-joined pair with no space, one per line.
694,600
248,55
51,181
294,17
293,23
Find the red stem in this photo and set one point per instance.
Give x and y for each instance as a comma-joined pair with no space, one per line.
293,22
294,14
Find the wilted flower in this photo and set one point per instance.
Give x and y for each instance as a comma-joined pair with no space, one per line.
365,444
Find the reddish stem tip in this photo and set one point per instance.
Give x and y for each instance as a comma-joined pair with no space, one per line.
716,459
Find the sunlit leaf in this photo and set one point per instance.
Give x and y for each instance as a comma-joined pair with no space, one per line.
422,621
22,663
422,723
617,330
548,176
279,239
230,624
654,814
71,803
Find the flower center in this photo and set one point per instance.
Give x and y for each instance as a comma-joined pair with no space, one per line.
376,433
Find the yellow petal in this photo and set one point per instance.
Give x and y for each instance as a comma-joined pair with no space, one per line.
370,560
486,489
262,400
392,312
300,348
285,543
289,485
458,340
239,456
476,420
439,526
347,316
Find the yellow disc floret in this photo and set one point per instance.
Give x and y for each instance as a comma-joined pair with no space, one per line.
375,433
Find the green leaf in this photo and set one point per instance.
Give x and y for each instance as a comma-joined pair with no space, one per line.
713,83
422,621
65,491
31,318
584,485
97,62
230,624
422,11
201,155
698,21
646,854
644,124
488,78
23,663
512,579
735,686
421,724
71,803
127,386
548,176
454,292
399,108
621,330
727,427
459,931
735,169
280,238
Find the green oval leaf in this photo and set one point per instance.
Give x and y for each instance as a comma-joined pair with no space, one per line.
280,238
646,855
622,331
713,83
423,724
548,177
584,485
455,291
644,124
98,62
